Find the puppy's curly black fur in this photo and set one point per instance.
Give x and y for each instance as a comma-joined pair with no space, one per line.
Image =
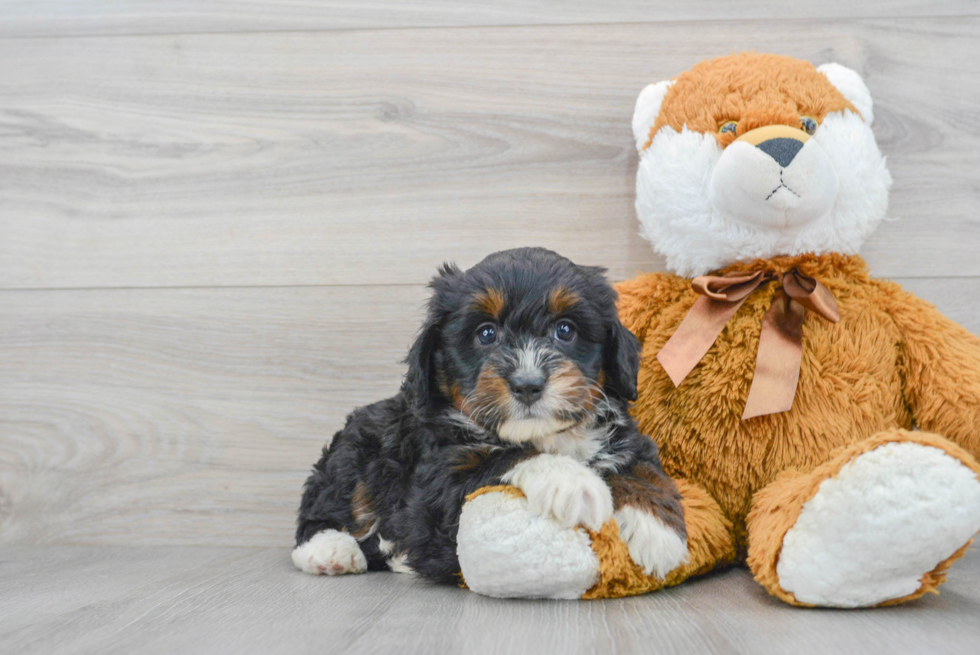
521,355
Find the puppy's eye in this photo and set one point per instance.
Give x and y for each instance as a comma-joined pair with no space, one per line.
486,334
564,331
808,124
728,127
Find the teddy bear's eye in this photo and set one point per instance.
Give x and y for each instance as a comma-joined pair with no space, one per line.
728,127
808,124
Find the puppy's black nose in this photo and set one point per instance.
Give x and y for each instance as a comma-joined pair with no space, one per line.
781,149
527,390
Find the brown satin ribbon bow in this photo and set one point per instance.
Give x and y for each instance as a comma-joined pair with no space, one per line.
777,365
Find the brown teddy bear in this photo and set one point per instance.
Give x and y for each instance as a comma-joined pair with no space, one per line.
821,424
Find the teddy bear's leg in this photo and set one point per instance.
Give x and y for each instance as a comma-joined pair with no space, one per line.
709,533
506,551
709,546
877,524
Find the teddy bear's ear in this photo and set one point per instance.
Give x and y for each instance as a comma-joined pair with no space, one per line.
647,108
852,87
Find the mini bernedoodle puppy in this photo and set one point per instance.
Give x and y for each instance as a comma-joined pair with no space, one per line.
521,375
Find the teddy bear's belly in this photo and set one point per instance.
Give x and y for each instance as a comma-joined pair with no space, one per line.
850,388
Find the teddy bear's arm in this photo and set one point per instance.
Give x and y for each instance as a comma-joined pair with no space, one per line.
643,297
940,365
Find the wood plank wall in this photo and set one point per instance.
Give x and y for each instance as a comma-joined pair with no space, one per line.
217,219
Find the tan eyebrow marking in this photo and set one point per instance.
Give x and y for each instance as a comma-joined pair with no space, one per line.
561,299
491,302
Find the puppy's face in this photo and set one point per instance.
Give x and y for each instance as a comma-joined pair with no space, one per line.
525,344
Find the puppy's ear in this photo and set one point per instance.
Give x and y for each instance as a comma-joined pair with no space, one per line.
622,359
420,379
420,382
621,352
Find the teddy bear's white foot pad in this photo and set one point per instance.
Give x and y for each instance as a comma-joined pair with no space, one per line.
330,552
506,551
872,532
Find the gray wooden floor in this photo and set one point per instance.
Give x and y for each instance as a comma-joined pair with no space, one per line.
216,222
171,599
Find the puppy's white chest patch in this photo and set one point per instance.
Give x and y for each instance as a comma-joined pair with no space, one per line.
581,444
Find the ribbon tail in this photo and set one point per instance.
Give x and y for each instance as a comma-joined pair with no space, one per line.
777,366
693,338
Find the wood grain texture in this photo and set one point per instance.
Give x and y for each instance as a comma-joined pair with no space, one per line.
178,182
226,600
33,18
192,416
182,416
371,156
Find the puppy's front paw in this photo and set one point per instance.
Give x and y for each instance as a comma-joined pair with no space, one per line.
564,489
330,553
654,547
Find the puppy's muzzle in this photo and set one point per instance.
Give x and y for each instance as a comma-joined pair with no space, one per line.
527,388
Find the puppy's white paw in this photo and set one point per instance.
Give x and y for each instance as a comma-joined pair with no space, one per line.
654,547
330,553
564,489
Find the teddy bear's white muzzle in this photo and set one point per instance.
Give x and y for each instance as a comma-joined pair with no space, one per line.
780,183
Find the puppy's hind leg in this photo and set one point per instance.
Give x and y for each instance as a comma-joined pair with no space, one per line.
326,526
330,552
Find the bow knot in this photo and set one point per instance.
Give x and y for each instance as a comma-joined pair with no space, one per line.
777,366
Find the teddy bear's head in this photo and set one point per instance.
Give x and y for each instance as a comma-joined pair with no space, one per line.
753,156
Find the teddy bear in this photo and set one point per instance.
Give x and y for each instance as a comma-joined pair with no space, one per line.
821,425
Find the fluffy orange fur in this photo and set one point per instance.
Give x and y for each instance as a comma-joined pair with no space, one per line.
859,377
893,362
750,88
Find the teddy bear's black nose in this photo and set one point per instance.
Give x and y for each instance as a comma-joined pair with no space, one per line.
782,149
